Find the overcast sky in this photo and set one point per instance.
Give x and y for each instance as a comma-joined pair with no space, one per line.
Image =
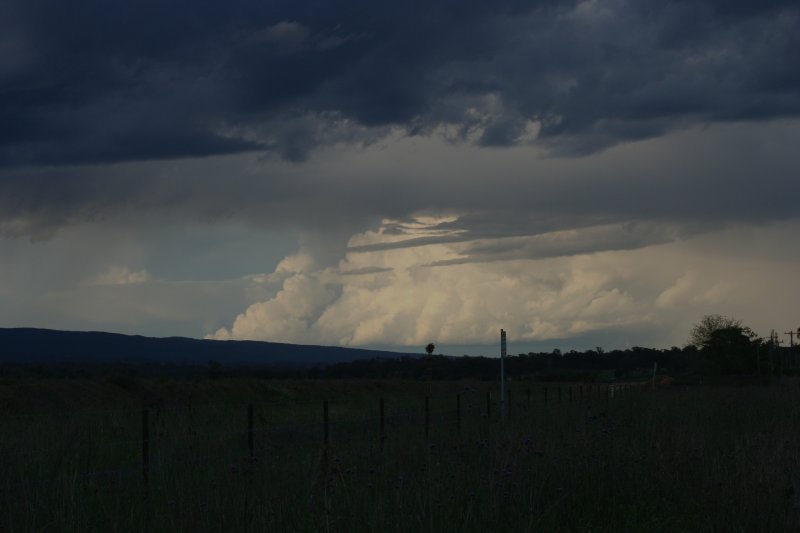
367,173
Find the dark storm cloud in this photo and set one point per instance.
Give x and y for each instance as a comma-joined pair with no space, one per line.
365,270
728,172
98,82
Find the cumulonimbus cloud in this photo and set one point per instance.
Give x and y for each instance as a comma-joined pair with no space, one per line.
654,283
399,296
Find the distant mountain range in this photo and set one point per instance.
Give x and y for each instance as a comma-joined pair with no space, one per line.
40,346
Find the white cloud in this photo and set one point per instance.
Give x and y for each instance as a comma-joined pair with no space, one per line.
299,262
286,317
665,287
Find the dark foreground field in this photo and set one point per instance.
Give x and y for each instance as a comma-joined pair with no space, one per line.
680,459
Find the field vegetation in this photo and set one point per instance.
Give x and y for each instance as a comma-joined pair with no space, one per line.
680,458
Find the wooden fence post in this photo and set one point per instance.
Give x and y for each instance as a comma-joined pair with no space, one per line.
427,417
458,413
325,422
383,426
250,424
146,451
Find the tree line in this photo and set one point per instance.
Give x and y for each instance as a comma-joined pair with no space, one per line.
718,346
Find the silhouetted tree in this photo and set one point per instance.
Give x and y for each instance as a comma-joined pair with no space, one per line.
430,348
726,346
733,350
701,333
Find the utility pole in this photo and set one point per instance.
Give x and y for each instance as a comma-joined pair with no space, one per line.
792,352
773,343
776,352
791,338
502,373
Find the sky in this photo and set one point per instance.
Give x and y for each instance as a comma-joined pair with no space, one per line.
380,174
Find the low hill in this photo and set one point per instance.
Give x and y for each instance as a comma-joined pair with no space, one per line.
46,346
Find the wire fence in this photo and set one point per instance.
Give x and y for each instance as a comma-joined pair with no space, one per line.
116,447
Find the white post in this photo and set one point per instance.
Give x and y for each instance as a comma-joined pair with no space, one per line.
502,373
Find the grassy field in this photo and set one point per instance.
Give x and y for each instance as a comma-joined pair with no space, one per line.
680,459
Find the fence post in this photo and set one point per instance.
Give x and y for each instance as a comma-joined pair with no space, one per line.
427,417
145,451
325,422
383,426
250,429
458,413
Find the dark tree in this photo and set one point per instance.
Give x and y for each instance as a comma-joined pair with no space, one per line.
430,348
726,345
702,332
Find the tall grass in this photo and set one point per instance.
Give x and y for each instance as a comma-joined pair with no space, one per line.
699,459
